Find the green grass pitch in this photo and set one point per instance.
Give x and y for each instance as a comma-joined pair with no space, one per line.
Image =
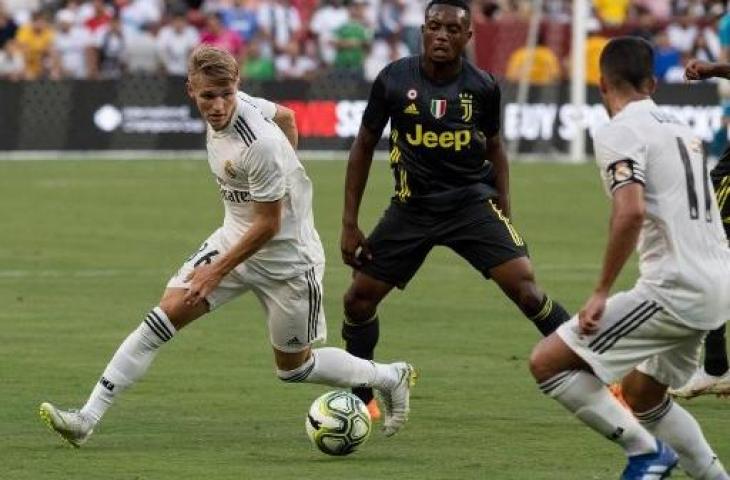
86,249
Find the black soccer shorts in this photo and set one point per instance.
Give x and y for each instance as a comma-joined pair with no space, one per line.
404,236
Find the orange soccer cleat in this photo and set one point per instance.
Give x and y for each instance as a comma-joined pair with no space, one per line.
615,389
374,410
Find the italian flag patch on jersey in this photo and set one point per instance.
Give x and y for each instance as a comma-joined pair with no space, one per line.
438,107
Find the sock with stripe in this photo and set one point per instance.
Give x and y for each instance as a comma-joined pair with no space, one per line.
360,340
337,368
584,395
672,424
716,353
129,363
550,315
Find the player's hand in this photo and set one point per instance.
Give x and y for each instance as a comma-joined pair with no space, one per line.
203,280
591,313
698,70
353,246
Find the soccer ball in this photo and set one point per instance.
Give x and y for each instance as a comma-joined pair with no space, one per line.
338,422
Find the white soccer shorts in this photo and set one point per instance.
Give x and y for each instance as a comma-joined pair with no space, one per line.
294,311
636,332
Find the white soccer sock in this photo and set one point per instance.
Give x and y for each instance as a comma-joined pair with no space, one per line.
675,426
337,368
129,363
588,399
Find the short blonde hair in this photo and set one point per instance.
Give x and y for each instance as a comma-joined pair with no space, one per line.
215,63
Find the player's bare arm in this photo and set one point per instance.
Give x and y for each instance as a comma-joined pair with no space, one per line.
701,70
627,216
498,157
265,226
286,120
358,169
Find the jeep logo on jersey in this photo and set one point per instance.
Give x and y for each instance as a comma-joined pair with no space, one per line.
438,107
456,139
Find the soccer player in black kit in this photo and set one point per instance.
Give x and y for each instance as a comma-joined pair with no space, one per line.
451,183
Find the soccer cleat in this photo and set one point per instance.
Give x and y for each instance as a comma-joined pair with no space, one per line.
651,466
615,389
373,410
702,383
69,424
396,399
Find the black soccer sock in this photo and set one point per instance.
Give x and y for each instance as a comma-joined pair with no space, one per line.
360,340
549,316
716,353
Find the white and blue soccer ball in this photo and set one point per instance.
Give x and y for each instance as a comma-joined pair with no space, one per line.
338,423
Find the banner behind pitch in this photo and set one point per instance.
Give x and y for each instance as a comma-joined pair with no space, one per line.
155,113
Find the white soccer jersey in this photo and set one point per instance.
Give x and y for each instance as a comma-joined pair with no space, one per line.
253,161
683,254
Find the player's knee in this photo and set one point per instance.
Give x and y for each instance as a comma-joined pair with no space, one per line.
641,400
537,363
358,308
540,363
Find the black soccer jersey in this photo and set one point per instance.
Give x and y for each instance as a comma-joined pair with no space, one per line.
438,132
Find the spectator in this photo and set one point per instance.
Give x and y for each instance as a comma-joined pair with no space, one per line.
353,39
35,40
21,10
242,18
330,16
545,69
646,26
612,12
412,19
390,13
74,7
594,47
297,63
706,46
217,35
174,44
12,65
384,51
71,48
141,51
8,27
682,32
257,66
96,15
280,24
136,14
111,49
659,9
666,56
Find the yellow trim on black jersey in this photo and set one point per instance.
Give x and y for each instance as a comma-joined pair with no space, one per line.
723,192
511,229
394,155
403,192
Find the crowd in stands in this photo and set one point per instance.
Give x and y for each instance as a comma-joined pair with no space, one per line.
283,39
678,29
272,39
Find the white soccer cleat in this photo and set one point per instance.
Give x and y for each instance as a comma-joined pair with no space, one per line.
702,383
396,399
722,386
69,424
